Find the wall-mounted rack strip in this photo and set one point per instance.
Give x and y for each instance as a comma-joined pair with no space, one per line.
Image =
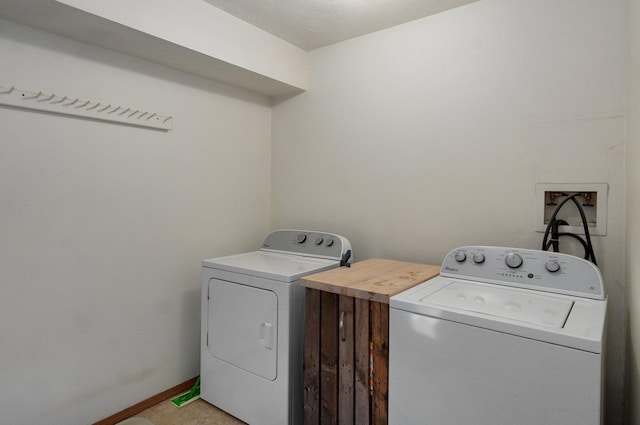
65,105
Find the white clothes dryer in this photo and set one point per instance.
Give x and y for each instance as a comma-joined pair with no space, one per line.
252,335
503,336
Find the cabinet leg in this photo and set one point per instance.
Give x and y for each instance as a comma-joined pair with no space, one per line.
329,359
347,357
361,385
312,358
380,340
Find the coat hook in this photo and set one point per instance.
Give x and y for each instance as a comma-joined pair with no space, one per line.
59,103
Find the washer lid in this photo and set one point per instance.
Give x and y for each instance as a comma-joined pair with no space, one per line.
582,327
501,302
271,265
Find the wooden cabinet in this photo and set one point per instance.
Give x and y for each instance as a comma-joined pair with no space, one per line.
347,340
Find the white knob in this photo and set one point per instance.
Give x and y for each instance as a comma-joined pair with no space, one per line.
460,256
513,260
301,238
318,240
478,257
552,266
328,242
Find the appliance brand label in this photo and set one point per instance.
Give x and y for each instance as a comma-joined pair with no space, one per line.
450,269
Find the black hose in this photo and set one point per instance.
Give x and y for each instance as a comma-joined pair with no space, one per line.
553,227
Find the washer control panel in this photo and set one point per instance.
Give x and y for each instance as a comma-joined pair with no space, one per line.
525,268
307,243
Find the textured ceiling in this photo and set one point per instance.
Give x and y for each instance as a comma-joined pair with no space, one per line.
310,24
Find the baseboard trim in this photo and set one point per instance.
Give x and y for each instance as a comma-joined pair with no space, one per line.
145,404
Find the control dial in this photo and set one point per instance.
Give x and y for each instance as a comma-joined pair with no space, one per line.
460,256
478,257
552,266
301,238
513,260
328,242
318,240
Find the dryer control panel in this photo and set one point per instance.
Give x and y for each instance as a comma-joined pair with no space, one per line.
307,243
526,268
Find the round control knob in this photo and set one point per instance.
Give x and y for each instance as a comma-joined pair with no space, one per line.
328,242
318,240
478,257
301,238
552,266
513,260
460,256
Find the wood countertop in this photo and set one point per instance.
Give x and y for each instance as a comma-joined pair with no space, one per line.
375,279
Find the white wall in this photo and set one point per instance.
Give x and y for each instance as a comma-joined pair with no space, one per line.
431,135
410,142
633,220
103,226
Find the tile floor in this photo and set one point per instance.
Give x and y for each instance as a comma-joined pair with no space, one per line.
197,413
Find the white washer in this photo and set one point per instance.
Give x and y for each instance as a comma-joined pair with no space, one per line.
253,325
503,336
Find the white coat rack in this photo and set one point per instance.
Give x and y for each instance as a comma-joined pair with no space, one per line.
64,105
